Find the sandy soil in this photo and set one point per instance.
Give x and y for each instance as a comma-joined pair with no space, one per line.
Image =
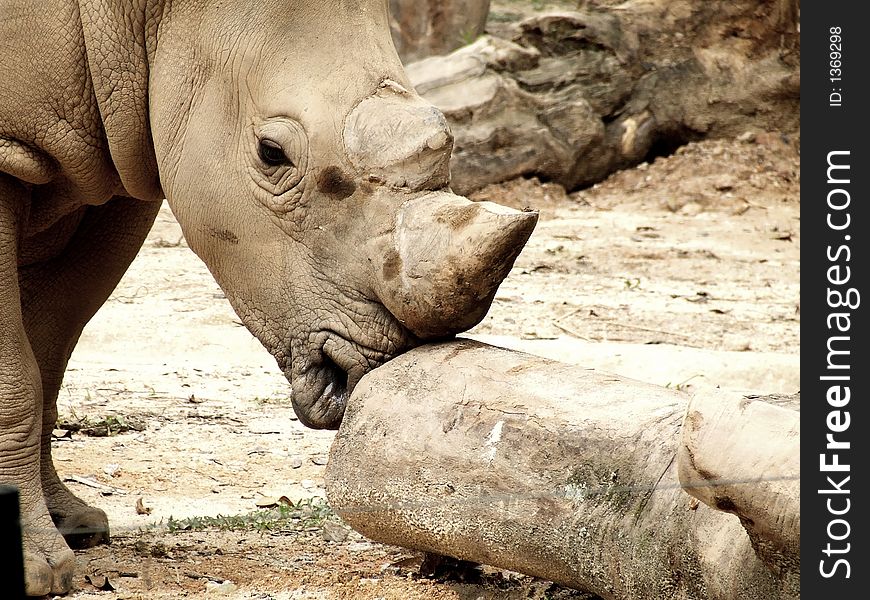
684,272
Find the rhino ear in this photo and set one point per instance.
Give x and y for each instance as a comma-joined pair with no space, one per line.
122,94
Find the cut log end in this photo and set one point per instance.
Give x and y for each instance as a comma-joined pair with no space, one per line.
742,455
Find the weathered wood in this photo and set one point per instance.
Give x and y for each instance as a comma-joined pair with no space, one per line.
573,96
422,28
742,455
549,469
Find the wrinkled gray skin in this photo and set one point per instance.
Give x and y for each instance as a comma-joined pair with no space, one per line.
302,167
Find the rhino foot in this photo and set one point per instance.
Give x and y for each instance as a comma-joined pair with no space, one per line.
82,525
48,574
49,564
83,528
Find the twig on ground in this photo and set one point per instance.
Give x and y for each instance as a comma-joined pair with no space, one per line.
95,484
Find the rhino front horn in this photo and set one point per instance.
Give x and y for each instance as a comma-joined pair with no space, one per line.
448,256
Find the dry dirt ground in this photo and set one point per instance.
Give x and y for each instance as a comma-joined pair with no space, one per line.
683,272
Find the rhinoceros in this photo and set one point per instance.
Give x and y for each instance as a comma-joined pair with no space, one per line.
302,166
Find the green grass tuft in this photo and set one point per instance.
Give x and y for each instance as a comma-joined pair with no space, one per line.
286,517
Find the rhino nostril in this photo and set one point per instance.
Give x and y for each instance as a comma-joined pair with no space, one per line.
338,385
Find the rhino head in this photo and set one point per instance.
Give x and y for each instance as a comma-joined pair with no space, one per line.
314,183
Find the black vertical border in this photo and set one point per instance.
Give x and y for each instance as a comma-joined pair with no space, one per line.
827,128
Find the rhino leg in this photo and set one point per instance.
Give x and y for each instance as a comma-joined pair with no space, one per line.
83,275
49,563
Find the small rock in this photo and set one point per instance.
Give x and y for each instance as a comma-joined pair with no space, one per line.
295,462
691,209
334,532
101,582
307,484
224,588
747,137
320,459
771,139
724,183
673,203
112,470
269,501
359,546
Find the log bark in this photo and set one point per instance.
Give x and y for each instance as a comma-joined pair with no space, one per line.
516,461
729,446
422,28
573,96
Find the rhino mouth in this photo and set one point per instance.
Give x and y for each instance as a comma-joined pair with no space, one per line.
324,382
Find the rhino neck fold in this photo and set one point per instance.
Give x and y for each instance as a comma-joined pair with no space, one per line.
119,37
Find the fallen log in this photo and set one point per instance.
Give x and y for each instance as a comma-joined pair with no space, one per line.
516,461
730,446
422,28
572,96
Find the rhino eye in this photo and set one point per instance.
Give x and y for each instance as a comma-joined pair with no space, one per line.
272,154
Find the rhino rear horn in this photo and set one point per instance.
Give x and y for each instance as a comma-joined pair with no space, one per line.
398,139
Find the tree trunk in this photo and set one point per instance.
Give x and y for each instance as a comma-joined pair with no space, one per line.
549,469
728,445
573,96
422,28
